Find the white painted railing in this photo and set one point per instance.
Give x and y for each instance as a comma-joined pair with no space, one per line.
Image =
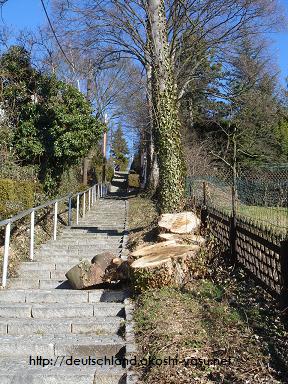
93,193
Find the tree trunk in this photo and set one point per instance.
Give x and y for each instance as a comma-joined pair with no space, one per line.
86,159
153,173
165,110
152,164
85,170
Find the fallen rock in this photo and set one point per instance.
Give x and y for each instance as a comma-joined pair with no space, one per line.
183,222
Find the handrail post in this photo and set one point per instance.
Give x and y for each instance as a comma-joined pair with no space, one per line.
32,229
98,190
89,199
69,210
55,220
92,196
84,203
77,209
6,254
95,193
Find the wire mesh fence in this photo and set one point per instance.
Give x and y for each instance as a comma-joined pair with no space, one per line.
261,197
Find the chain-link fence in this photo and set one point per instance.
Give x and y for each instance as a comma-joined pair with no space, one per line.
260,196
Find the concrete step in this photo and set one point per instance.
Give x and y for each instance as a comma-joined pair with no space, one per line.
84,371
65,254
44,296
63,296
49,311
90,231
54,284
78,247
71,259
99,244
45,275
18,283
87,326
59,310
92,241
61,345
44,266
37,283
36,274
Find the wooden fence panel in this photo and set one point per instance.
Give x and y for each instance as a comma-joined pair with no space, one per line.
260,254
218,225
257,249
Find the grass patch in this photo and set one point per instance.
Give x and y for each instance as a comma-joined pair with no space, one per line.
198,323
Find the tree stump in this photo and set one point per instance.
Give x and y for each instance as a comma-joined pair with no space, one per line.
183,222
163,264
182,239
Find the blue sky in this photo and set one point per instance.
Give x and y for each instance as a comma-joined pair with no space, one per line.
29,14
23,13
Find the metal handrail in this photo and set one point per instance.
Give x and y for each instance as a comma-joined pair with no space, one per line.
95,192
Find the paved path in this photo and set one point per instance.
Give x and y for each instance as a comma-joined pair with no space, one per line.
40,315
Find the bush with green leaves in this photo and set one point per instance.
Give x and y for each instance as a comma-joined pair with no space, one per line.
51,122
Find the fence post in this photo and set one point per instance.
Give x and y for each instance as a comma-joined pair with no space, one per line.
89,199
204,194
6,254
69,210
77,209
204,209
233,238
84,204
284,272
233,227
32,227
55,220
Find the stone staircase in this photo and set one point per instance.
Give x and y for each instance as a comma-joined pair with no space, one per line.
41,316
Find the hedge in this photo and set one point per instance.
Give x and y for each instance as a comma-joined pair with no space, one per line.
15,196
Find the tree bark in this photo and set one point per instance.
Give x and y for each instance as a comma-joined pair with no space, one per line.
152,164
86,159
165,113
85,170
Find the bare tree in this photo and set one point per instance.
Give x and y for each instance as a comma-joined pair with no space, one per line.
119,29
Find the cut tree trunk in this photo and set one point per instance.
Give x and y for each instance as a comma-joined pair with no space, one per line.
183,222
89,273
182,239
118,270
84,275
163,264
